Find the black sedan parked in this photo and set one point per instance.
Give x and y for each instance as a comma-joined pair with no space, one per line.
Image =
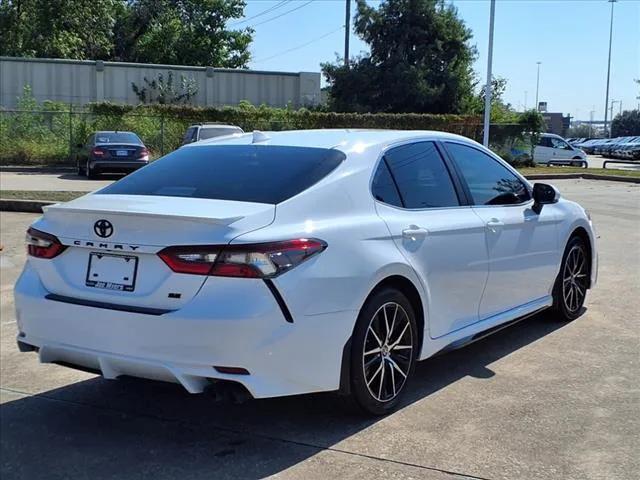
111,152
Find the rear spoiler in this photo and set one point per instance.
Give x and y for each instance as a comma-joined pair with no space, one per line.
61,208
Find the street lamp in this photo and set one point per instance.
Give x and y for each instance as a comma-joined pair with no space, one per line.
487,90
606,101
538,87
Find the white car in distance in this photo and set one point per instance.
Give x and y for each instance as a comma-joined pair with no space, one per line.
300,261
554,148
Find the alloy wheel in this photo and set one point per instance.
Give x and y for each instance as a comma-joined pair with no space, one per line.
388,352
574,279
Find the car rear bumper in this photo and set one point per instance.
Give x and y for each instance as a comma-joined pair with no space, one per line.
246,330
116,165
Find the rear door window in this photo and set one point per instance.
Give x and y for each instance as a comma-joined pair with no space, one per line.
421,176
246,173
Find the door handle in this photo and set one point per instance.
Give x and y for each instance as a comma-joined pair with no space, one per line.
414,232
494,225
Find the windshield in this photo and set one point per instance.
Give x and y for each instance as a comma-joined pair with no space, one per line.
217,132
117,137
246,173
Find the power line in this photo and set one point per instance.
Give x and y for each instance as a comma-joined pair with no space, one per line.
282,14
272,8
300,46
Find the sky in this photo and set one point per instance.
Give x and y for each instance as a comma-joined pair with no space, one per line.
569,37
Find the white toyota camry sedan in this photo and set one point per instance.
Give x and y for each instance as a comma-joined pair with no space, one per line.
303,261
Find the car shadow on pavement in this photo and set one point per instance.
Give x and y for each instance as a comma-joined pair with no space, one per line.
105,176
134,428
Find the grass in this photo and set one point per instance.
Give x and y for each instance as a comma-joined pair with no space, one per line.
44,195
560,170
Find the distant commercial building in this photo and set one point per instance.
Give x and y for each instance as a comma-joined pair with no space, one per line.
83,81
557,123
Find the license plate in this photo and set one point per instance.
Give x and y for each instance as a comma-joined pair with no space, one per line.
122,153
112,272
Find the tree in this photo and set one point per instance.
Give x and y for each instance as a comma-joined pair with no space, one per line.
57,28
501,111
182,32
580,131
626,124
162,91
420,60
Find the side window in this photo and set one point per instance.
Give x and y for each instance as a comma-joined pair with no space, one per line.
188,134
544,142
490,182
383,187
421,176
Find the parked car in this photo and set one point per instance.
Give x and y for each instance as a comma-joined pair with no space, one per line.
204,131
304,261
617,148
554,148
111,152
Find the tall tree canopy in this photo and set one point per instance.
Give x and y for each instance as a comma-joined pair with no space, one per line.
183,32
420,60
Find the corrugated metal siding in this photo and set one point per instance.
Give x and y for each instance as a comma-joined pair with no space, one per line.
80,82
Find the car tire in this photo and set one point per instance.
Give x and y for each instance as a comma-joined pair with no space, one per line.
91,175
383,352
570,288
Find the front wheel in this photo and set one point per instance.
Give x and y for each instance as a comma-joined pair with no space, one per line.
384,351
570,289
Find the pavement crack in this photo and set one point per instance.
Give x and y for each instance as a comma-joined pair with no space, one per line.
262,436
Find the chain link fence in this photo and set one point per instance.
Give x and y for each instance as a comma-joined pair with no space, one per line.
52,137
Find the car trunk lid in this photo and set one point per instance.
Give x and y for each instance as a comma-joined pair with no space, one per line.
112,243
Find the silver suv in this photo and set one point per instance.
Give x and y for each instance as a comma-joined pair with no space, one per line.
203,131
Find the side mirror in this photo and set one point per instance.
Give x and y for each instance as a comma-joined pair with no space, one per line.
544,194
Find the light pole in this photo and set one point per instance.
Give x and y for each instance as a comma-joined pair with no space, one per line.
537,87
525,100
487,88
606,99
347,28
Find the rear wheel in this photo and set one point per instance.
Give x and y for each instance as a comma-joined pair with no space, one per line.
384,351
89,171
570,289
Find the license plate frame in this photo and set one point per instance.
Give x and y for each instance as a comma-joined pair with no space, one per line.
105,278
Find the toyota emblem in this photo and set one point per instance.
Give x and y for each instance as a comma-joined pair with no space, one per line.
103,228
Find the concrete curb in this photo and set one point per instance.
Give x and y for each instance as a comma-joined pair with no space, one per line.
28,206
36,169
585,176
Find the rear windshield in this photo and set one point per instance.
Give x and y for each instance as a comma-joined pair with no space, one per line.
118,137
217,132
246,173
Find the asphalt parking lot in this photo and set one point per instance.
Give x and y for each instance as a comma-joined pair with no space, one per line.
34,179
539,400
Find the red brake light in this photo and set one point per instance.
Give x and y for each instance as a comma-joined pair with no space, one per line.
258,260
98,152
43,245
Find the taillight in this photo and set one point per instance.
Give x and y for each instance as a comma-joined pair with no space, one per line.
98,152
144,154
43,245
257,260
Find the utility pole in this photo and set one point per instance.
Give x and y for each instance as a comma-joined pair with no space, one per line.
591,122
538,87
606,99
487,92
347,29
525,100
